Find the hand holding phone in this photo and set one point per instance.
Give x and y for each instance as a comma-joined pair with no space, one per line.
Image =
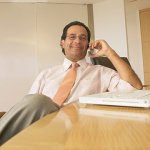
92,51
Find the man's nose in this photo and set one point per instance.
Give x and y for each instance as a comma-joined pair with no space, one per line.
77,39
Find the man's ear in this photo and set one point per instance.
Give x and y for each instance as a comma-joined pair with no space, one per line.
62,43
88,46
62,46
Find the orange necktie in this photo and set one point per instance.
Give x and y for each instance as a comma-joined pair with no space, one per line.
66,85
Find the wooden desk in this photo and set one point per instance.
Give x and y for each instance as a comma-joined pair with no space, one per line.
88,127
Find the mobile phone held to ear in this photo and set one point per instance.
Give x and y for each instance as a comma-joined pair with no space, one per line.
92,51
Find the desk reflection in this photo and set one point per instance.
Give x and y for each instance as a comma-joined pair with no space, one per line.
115,114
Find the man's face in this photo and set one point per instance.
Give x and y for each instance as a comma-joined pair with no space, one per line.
76,43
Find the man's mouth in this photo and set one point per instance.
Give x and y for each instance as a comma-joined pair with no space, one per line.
77,47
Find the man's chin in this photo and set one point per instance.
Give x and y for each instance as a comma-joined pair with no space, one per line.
78,57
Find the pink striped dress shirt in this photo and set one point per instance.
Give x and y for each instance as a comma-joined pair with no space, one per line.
90,79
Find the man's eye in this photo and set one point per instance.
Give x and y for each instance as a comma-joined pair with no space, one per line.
83,38
72,37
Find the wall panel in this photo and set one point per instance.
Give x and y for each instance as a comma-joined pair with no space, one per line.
29,43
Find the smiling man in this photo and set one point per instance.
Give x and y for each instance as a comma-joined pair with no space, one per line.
76,43
89,79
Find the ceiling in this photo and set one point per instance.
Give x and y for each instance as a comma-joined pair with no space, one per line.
56,1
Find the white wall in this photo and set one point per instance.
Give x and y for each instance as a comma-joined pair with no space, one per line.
109,21
134,34
29,42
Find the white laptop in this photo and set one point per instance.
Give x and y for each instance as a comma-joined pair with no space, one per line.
135,98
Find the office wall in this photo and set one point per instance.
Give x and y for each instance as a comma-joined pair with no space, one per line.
29,42
134,33
109,24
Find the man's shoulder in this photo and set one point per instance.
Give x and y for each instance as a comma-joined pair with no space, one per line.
52,69
101,67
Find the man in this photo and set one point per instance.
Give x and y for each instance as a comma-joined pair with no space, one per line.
90,79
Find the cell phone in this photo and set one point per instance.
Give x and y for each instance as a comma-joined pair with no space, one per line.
92,51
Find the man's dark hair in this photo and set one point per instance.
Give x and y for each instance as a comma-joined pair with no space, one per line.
64,34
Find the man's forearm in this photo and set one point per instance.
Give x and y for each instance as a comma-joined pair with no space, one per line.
125,71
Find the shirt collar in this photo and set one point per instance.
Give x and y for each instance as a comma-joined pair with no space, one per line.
83,64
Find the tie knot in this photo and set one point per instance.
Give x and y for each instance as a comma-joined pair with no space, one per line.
75,65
